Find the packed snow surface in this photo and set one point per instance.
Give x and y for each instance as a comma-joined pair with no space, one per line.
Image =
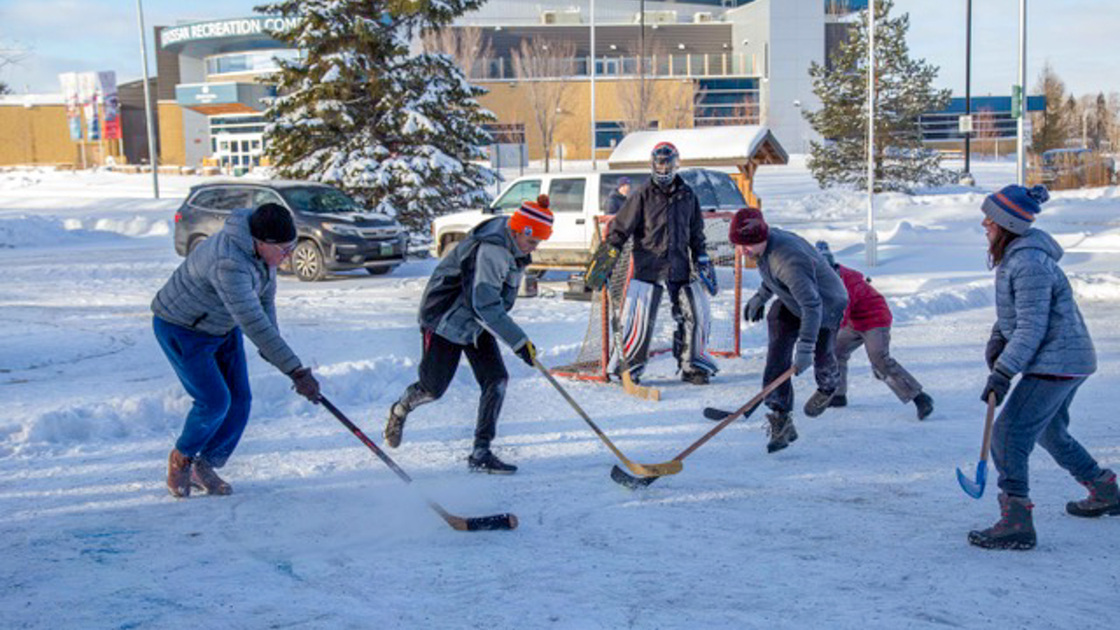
858,524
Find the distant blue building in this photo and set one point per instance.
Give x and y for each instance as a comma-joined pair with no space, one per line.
991,120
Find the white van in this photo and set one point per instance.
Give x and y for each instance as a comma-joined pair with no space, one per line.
576,199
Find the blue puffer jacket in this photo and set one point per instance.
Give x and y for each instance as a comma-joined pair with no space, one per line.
224,284
1036,312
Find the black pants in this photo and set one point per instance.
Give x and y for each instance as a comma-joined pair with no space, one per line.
783,328
437,367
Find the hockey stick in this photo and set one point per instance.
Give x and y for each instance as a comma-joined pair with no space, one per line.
620,476
975,489
480,523
646,470
628,384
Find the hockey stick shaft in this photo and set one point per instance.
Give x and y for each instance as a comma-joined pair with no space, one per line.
666,468
497,521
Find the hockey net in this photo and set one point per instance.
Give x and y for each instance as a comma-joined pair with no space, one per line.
593,361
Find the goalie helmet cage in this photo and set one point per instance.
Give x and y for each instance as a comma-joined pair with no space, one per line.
594,358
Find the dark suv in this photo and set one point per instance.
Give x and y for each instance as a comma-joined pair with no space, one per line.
334,232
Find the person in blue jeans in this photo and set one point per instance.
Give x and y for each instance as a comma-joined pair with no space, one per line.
1040,335
225,287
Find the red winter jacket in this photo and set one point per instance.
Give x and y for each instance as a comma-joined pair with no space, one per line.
867,308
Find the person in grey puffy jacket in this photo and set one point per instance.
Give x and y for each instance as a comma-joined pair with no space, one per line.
226,287
464,310
803,322
1039,335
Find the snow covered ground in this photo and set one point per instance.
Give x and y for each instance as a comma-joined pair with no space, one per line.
859,524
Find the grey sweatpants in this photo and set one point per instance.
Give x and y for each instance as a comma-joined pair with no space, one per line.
878,345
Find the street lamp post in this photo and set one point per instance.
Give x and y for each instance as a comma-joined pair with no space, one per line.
594,165
871,240
1021,153
966,177
148,103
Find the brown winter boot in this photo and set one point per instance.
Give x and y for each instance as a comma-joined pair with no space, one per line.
203,477
1014,530
178,475
781,430
1104,497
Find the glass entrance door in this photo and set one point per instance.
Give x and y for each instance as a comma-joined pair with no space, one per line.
242,149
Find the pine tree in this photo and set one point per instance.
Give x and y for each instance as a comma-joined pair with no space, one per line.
399,132
1051,126
1098,133
904,92
4,89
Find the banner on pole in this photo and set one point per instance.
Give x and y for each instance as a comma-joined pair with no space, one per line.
107,82
69,83
87,94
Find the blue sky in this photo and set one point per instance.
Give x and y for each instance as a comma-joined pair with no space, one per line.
1078,37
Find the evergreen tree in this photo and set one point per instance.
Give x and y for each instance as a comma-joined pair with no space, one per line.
904,92
1051,126
4,89
399,132
1102,120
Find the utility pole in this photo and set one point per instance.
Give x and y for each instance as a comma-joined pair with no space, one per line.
871,240
966,177
593,58
148,103
1021,157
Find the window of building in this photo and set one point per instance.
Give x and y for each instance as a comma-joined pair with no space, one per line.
733,101
249,62
608,133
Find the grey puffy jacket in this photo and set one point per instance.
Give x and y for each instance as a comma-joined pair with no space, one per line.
1036,312
223,284
474,287
807,285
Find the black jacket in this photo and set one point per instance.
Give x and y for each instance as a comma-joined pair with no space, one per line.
615,202
668,231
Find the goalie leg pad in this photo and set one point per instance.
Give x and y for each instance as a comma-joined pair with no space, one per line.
639,314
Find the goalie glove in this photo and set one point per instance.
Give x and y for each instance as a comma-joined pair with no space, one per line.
707,273
602,264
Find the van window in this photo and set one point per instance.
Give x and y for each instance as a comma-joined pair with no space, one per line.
206,199
727,193
566,195
608,182
521,191
262,196
231,199
703,190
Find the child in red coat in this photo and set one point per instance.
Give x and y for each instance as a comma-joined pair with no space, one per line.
867,322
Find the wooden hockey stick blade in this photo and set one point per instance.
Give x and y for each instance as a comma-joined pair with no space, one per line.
639,391
663,469
496,522
621,478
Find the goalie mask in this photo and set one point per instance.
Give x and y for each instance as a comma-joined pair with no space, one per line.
664,160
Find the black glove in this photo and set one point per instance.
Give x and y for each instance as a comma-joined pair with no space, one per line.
994,348
755,308
998,383
305,384
528,353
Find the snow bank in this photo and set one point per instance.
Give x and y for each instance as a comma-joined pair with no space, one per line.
35,231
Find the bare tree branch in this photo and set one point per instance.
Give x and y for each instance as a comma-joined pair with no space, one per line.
542,67
463,44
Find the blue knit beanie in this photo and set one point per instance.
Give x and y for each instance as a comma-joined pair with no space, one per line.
1014,207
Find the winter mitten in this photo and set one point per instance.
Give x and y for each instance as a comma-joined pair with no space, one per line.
754,309
528,353
305,384
802,360
994,348
998,383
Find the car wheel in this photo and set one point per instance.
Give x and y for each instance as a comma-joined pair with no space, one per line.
198,240
307,262
379,271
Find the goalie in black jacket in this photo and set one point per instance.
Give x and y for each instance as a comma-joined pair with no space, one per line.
664,219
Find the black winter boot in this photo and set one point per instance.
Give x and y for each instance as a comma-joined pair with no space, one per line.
483,460
817,403
781,431
924,404
699,377
1104,497
1014,530
839,400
